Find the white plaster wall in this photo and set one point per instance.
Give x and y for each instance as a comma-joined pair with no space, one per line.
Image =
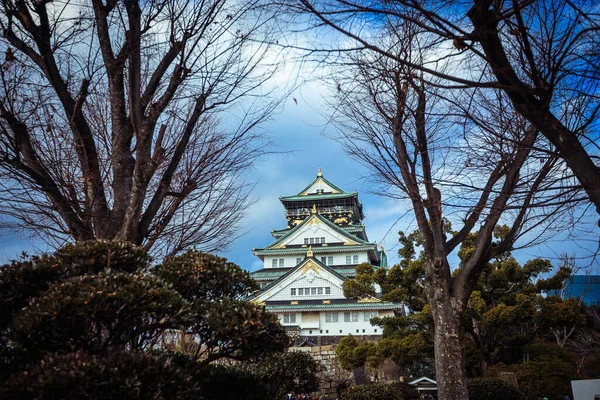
288,261
319,185
298,319
283,292
341,328
316,231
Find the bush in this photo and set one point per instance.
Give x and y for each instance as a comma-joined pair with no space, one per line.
95,312
292,371
28,278
548,373
218,382
492,389
75,324
375,391
197,275
113,375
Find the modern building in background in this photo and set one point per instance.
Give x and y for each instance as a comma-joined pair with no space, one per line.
581,287
308,261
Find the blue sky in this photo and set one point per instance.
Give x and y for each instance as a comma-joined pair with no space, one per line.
300,132
302,144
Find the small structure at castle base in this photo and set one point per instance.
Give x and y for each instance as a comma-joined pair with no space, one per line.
308,261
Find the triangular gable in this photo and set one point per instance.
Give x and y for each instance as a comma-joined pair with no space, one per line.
423,380
320,185
309,267
310,227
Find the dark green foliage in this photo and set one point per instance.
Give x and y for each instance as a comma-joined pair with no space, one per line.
548,373
95,312
353,353
282,373
112,375
27,278
218,382
362,284
381,392
492,389
408,391
237,329
201,276
74,324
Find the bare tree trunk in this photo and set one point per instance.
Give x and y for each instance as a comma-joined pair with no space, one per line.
451,375
446,309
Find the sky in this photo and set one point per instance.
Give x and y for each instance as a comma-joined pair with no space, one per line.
302,143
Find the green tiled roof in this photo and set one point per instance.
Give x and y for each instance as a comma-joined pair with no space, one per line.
323,249
277,233
346,306
354,228
324,180
286,273
326,222
265,274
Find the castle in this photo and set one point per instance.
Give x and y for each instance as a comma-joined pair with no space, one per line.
307,263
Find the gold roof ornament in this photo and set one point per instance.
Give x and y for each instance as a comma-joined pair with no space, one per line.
319,173
369,299
314,209
309,253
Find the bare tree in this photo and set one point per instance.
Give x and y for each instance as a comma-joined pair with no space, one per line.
131,120
542,54
466,158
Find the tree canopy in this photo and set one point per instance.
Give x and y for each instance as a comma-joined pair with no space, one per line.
102,306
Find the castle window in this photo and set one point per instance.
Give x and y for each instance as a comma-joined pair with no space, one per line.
274,264
350,317
322,240
324,260
298,261
280,262
369,315
320,290
300,291
305,240
327,290
331,317
348,259
293,292
313,291
289,318
330,260
312,240
354,259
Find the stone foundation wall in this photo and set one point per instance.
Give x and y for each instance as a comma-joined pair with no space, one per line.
335,380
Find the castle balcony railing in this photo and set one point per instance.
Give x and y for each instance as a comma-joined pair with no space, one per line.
320,210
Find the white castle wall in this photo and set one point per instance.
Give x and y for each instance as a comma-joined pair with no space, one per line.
340,328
